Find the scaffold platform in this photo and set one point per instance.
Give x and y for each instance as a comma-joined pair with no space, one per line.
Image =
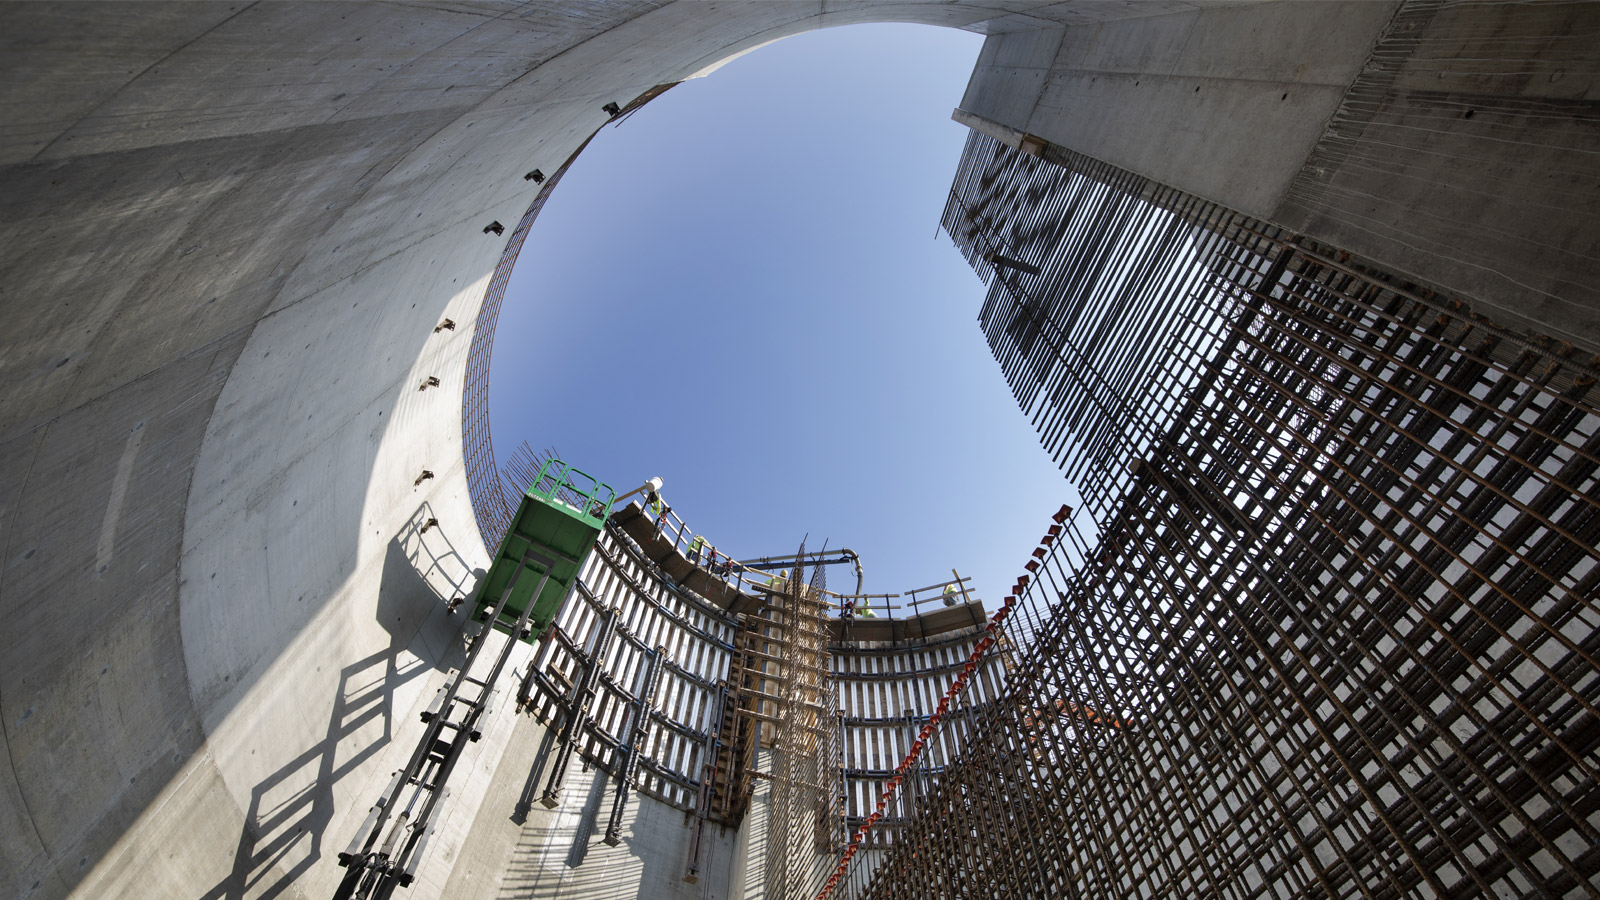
660,546
559,518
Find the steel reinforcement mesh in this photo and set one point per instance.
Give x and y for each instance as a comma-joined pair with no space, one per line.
1329,626
493,502
802,818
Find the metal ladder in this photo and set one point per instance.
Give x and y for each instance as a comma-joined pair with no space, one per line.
376,867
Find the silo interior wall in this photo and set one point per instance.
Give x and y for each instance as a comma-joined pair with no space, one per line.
229,233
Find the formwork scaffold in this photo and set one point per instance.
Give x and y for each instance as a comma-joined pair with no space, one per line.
1328,623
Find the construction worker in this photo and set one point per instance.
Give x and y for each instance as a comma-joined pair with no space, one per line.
695,546
952,595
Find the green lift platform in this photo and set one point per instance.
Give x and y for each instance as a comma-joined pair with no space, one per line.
534,569
556,525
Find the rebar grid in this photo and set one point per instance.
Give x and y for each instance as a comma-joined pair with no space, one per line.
1336,634
804,790
493,503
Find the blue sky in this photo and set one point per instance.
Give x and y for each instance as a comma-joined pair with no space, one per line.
740,290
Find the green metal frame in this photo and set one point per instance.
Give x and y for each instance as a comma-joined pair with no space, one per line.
559,519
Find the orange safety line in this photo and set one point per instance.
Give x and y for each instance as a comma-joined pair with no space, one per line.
978,649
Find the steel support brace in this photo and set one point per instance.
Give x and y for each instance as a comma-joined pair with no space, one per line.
638,735
708,775
577,710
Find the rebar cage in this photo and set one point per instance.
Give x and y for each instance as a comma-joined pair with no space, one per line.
1328,624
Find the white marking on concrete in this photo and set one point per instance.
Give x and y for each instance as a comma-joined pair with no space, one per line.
119,493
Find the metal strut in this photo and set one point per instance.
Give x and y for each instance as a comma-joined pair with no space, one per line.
708,777
577,710
376,870
638,736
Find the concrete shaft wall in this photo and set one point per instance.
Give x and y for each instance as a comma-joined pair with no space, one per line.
228,232
1452,142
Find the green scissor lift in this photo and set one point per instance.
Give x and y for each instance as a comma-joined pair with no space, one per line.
538,561
558,521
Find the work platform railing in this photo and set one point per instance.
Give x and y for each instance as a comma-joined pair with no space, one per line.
671,528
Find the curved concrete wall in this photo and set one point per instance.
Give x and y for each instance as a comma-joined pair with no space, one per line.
228,233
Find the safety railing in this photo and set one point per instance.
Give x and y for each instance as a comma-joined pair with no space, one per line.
697,550
574,488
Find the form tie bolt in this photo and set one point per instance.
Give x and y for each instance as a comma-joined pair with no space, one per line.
430,381
495,227
426,474
612,109
428,524
446,325
536,176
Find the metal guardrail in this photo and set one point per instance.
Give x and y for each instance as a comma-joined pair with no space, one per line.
696,549
574,488
743,578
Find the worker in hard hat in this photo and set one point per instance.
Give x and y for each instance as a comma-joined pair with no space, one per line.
952,595
661,510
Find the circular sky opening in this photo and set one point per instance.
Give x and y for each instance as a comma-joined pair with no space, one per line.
742,288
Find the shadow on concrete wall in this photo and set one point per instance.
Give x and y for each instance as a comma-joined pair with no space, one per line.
532,787
588,821
658,837
533,870
285,830
433,555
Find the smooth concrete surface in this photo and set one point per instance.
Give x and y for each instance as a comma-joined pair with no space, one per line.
1468,154
228,232
1223,102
